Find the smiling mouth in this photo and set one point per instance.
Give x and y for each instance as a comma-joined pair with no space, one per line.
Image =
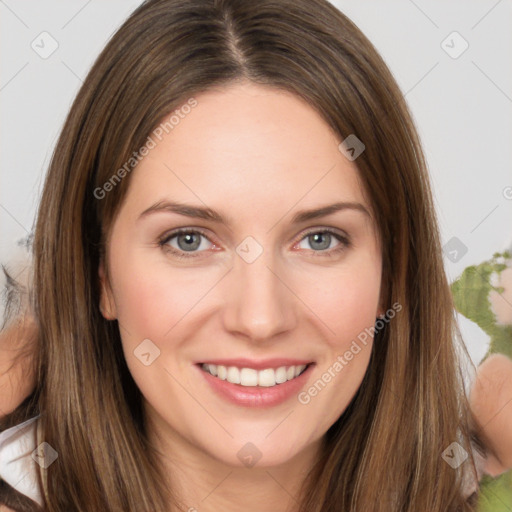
267,377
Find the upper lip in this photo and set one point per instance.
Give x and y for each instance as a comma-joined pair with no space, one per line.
258,365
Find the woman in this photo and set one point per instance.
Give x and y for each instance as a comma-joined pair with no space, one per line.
261,371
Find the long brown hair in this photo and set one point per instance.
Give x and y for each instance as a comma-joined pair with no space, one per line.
384,452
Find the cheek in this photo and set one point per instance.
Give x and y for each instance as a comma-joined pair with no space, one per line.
349,306
332,388
346,300
150,299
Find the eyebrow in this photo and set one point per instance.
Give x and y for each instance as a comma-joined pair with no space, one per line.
205,213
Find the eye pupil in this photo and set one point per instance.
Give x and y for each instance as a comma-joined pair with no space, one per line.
190,244
317,237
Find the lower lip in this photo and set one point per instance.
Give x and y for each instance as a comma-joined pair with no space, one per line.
255,396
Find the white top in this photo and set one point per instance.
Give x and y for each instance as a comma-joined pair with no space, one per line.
19,456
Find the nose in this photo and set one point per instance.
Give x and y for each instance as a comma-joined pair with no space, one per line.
260,304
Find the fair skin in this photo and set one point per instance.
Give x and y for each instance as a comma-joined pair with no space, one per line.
491,403
288,302
16,381
257,156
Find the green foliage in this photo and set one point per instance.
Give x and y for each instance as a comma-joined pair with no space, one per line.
496,493
471,296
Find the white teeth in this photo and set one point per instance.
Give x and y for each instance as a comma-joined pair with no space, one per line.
221,372
250,377
233,375
298,369
267,378
281,375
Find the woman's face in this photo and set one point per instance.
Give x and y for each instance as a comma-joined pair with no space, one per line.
256,287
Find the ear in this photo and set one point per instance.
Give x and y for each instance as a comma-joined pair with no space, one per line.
107,304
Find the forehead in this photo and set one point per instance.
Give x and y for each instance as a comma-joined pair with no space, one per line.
248,145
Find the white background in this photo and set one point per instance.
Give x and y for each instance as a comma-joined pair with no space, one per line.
462,106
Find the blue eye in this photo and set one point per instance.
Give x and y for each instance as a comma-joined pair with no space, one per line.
188,241
322,240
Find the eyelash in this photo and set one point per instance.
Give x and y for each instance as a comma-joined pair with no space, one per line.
345,243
